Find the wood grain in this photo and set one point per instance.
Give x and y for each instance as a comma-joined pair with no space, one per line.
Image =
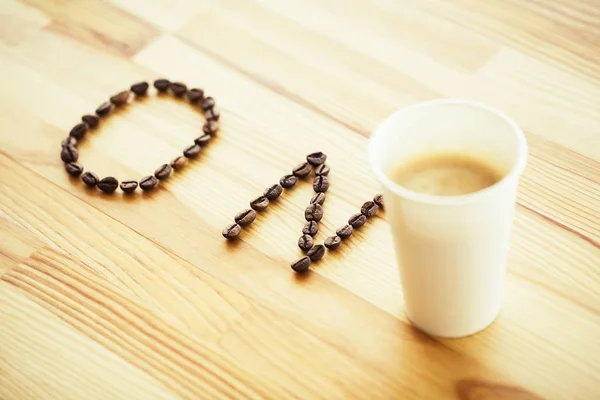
144,294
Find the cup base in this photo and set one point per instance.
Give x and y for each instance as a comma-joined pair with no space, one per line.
454,335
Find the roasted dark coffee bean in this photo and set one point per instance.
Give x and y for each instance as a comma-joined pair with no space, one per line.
345,231
259,203
322,169
305,242
91,120
320,184
333,242
148,183
245,217
318,198
108,184
288,181
90,178
310,228
208,103
301,265
68,154
314,212
192,151
163,172
179,162
78,131
129,186
316,253
357,220
232,231
273,192
162,85
178,89
104,109
195,95
69,141
302,170
213,114
317,158
368,209
74,169
140,88
378,200
210,127
121,98
203,140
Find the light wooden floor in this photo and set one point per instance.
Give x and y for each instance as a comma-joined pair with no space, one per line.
104,297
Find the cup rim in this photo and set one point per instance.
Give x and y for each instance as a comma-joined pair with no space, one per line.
514,173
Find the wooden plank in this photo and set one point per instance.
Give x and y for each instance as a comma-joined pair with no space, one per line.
166,14
17,243
97,24
19,21
390,69
186,366
43,357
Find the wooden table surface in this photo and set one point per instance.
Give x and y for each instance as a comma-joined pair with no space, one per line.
113,297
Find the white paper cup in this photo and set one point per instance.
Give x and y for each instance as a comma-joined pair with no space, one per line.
451,250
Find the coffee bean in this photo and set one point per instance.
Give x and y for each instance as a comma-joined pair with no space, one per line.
318,198
162,85
213,114
74,169
320,184
232,231
288,181
140,88
259,203
68,154
91,120
316,253
148,183
322,169
245,217
302,170
273,192
378,200
210,127
305,242
78,131
314,212
129,186
333,242
208,103
317,158
104,109
178,89
163,172
90,178
108,184
179,162
357,220
301,265
195,95
310,228
203,140
69,141
121,98
368,209
192,151
345,231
